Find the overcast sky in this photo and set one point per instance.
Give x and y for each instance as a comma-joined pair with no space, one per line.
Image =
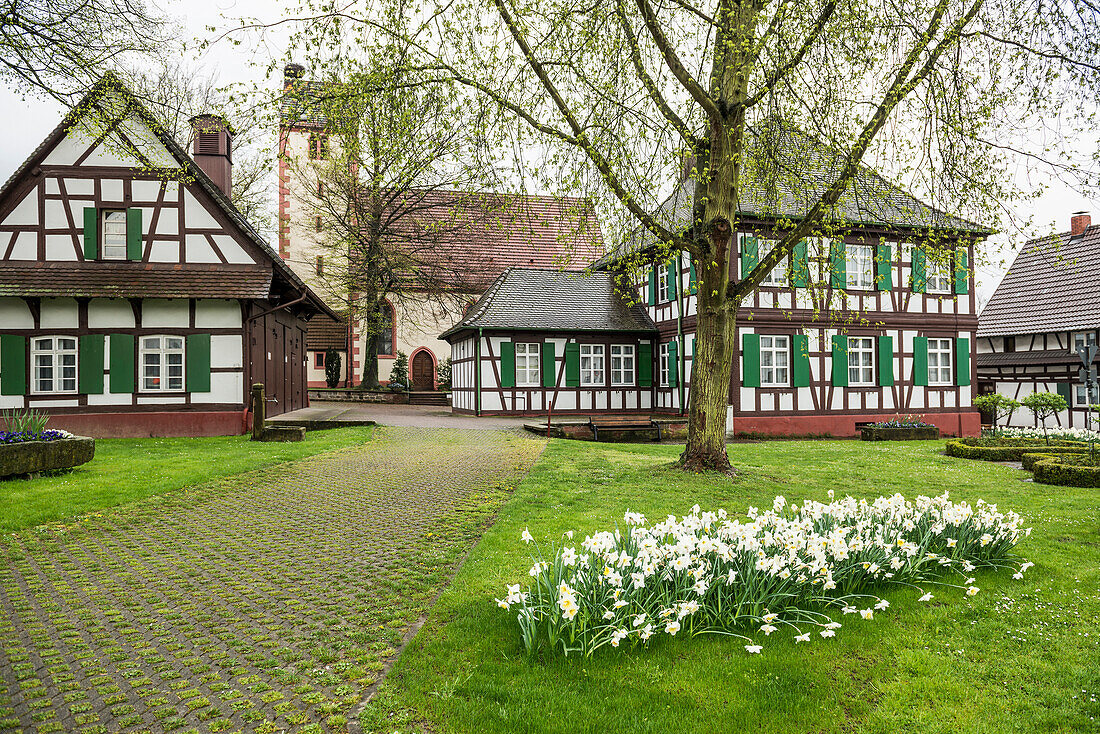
27,121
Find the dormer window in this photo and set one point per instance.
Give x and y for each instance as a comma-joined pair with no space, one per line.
318,146
114,234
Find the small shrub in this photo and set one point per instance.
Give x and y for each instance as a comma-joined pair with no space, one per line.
998,406
1073,470
399,374
1006,449
443,374
1044,405
332,368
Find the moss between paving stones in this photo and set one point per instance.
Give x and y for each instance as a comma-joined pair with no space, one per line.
1007,449
1068,470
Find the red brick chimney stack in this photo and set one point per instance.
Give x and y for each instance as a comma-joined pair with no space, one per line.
213,150
1079,223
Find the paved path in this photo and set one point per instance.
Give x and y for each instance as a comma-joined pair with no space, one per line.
266,602
385,414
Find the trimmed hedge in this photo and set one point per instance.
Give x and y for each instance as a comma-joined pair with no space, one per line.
1030,460
1068,471
1008,449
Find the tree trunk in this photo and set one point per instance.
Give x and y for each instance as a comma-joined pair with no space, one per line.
708,399
370,365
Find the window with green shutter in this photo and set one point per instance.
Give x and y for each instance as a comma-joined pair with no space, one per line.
13,364
573,364
507,364
920,360
884,271
90,364
800,360
653,285
549,366
919,275
133,234
91,233
838,268
645,365
122,363
750,254
800,265
673,275
750,360
693,283
1065,389
962,361
962,271
198,363
673,365
840,360
886,361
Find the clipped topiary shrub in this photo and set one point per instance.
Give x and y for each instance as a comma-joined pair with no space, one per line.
1068,470
1030,460
1007,449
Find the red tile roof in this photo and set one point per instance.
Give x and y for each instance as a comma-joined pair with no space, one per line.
327,334
135,280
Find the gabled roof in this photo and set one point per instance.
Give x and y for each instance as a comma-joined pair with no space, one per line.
110,84
1053,285
529,299
141,280
806,170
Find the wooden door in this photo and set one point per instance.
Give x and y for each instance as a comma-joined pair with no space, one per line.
423,371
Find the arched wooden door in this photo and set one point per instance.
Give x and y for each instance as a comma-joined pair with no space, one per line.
423,371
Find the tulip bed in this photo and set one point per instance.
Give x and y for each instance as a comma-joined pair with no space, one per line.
785,568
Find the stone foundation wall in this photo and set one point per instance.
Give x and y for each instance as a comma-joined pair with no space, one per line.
358,396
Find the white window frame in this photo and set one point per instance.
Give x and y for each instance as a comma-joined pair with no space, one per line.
662,283
940,361
937,277
623,365
163,353
859,267
1081,397
861,361
1084,337
775,361
662,365
527,364
592,365
49,348
777,276
111,248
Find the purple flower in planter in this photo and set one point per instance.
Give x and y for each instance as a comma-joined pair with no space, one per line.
24,436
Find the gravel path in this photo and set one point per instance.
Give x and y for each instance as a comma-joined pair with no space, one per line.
270,601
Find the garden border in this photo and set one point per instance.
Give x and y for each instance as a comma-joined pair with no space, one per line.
964,448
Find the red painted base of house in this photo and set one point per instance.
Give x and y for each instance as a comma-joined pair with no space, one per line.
844,425
146,425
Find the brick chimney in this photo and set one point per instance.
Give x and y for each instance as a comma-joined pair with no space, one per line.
292,73
213,150
1079,222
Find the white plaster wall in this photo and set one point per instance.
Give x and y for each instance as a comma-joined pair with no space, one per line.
59,313
159,313
26,246
225,387
25,213
227,350
110,313
15,314
217,314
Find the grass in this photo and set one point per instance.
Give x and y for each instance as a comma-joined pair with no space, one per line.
1020,656
129,469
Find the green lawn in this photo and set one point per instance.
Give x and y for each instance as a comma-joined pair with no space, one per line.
128,469
1020,656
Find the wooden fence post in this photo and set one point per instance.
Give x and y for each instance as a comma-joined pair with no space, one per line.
259,411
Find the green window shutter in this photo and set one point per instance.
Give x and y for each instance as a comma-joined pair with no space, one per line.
572,364
750,254
800,265
122,363
673,277
90,369
645,365
840,360
133,234
919,276
962,361
750,358
507,364
91,233
1065,389
920,360
653,286
962,272
198,363
673,365
884,272
693,281
800,360
549,366
886,361
838,266
13,364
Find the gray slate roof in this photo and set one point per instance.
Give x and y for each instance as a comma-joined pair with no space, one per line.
1053,285
806,168
529,299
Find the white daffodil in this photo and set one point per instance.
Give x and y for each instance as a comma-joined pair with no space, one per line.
867,613
617,636
503,604
972,591
951,542
849,610
882,604
525,536
754,649
569,556
646,633
805,637
770,617
672,627
767,629
1018,575
639,620
926,597
828,633
986,540
609,614
619,604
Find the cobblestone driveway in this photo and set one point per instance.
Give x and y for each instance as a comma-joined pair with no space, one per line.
267,602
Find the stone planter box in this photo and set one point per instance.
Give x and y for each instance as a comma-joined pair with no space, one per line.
32,457
917,433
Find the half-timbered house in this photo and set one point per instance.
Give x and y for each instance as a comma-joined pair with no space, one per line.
135,300
875,321
1046,306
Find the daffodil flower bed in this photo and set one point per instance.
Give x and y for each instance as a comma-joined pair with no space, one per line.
784,569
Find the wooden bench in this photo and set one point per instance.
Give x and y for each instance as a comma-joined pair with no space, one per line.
624,423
